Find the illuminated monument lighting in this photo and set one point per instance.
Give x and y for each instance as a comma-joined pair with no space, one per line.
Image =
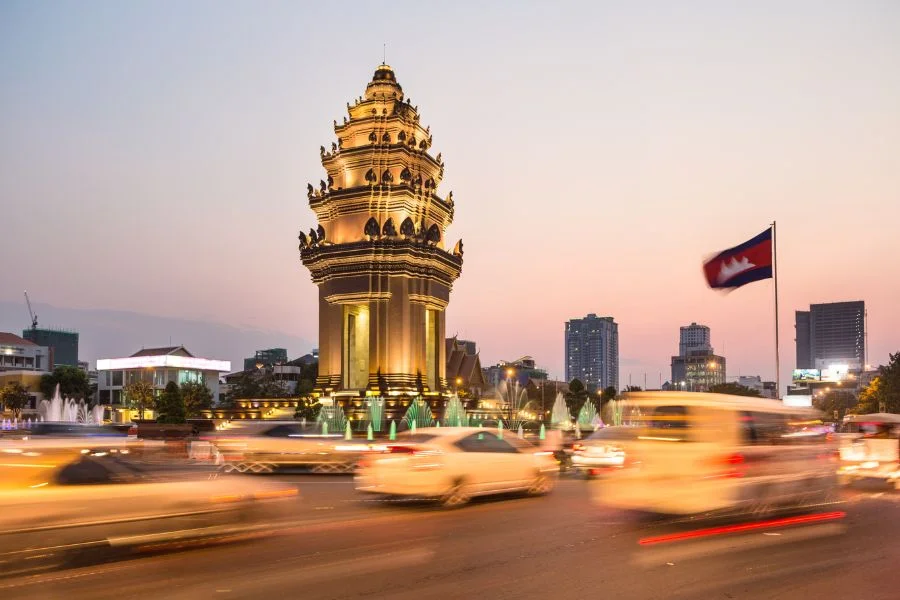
378,254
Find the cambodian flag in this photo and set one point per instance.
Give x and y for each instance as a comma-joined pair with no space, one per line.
749,262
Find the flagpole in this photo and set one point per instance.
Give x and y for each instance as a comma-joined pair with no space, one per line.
775,277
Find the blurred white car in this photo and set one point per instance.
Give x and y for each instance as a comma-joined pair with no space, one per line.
267,446
60,504
454,464
602,450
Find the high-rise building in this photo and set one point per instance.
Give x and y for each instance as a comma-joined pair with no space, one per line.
697,367
832,334
63,345
693,338
802,337
592,351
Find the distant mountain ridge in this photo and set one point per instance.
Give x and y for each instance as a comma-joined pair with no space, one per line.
105,333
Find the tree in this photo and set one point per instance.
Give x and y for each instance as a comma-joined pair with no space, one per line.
14,396
260,383
608,393
869,398
883,392
197,398
307,408
835,404
633,388
170,405
139,395
576,396
889,394
73,383
734,389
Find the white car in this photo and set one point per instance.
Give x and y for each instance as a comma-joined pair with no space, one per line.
602,450
267,446
454,464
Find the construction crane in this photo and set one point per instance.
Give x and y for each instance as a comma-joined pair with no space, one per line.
31,312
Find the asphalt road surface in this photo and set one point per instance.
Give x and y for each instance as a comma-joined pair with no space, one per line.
559,546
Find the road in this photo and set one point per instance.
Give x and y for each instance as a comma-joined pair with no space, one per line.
559,546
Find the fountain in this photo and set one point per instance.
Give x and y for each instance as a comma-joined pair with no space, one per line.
455,415
375,412
560,417
333,417
517,403
418,414
620,412
587,416
58,409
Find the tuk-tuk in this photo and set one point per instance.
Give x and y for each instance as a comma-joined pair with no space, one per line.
870,448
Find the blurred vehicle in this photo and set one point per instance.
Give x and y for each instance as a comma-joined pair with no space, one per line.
870,448
601,451
62,505
267,446
454,464
699,452
53,429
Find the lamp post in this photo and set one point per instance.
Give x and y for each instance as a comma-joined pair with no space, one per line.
509,391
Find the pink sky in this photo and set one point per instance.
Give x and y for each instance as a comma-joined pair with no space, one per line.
155,159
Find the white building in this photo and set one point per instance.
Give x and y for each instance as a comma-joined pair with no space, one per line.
24,362
158,366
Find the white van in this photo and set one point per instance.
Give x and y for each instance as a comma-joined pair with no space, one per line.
699,452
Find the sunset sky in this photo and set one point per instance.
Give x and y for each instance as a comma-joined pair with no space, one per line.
154,158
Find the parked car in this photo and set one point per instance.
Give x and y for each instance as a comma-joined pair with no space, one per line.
454,464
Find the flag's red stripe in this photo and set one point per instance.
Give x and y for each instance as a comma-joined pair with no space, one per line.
760,255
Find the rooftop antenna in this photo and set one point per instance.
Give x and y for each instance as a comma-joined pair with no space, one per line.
384,53
34,321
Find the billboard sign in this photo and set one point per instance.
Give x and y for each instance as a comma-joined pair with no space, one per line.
798,400
835,372
807,375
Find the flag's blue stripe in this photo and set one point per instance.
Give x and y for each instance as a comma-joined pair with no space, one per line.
764,236
746,277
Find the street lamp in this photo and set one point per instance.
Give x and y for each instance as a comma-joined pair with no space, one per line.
509,392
